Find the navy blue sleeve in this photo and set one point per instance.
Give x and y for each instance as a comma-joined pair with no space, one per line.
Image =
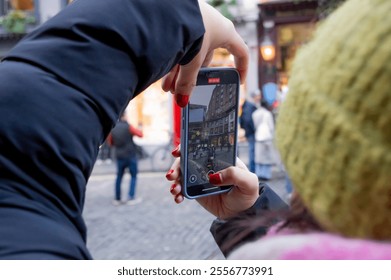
62,88
112,50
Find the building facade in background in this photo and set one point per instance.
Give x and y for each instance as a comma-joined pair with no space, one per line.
284,25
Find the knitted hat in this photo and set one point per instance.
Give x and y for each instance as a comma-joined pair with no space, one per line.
334,129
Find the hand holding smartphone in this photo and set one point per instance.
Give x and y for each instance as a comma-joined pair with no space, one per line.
209,130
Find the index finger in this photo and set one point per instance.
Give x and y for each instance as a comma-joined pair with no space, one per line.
240,51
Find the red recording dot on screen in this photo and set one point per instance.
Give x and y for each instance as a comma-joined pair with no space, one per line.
213,80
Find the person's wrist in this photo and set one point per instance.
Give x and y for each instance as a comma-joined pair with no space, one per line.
268,200
253,209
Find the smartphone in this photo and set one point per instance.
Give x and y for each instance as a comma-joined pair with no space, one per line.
209,130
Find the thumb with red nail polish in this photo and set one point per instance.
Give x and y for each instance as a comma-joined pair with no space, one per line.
215,178
181,100
176,152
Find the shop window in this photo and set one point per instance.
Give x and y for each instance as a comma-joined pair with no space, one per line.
17,16
24,5
290,38
152,110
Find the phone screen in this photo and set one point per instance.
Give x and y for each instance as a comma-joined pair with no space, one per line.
210,129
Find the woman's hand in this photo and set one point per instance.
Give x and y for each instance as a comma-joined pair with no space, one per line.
219,33
241,197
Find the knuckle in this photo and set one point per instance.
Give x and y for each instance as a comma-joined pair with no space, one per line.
230,172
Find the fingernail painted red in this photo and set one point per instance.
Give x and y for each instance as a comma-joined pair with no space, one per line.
170,172
178,199
215,179
172,187
175,152
182,100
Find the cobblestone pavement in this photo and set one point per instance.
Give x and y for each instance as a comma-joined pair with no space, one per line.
155,229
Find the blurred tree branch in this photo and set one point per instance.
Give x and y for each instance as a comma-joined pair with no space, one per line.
224,7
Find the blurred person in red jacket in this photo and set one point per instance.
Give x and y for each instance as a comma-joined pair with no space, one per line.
121,138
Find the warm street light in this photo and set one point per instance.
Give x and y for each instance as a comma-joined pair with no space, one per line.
267,48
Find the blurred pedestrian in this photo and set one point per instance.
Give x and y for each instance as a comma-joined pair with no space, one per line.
62,90
104,155
121,138
264,136
334,137
246,122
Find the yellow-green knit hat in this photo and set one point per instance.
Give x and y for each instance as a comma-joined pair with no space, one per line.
334,129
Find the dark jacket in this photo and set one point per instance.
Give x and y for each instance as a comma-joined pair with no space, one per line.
246,120
269,204
122,140
62,89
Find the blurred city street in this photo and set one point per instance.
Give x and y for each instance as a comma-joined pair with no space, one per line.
156,228
65,85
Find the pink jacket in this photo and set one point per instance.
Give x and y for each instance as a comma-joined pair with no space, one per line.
286,245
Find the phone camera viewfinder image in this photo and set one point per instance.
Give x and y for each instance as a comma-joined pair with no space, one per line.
210,131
